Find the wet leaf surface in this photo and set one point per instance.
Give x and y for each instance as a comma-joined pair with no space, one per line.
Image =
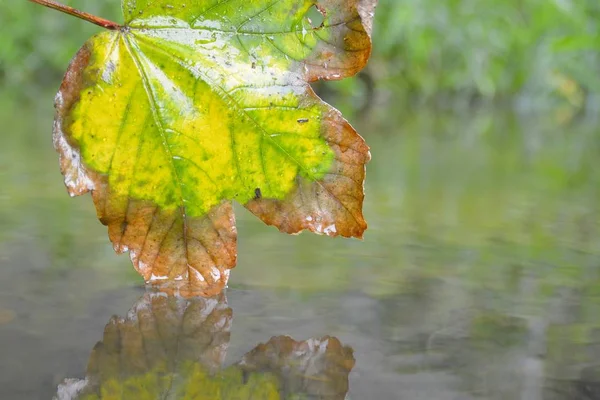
194,104
171,347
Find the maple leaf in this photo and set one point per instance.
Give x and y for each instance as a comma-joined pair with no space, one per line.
192,104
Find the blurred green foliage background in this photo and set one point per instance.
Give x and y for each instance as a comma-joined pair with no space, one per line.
489,49
528,53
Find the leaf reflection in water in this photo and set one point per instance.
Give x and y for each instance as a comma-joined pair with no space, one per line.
170,347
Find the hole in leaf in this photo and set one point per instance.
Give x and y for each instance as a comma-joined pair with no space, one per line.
316,16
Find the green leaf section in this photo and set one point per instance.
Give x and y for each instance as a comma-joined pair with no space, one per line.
260,28
196,102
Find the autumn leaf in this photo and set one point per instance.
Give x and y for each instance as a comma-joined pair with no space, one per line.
192,104
173,347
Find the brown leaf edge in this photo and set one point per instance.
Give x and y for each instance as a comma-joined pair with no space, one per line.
348,49
333,205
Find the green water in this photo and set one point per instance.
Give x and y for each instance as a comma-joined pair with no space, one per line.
479,276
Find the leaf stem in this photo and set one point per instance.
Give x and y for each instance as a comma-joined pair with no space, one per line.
79,14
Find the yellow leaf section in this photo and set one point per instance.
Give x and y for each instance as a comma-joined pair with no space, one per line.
186,123
192,382
116,130
229,384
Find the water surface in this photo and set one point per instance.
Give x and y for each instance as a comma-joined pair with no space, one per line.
479,276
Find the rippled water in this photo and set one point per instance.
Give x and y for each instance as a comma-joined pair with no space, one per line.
479,277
